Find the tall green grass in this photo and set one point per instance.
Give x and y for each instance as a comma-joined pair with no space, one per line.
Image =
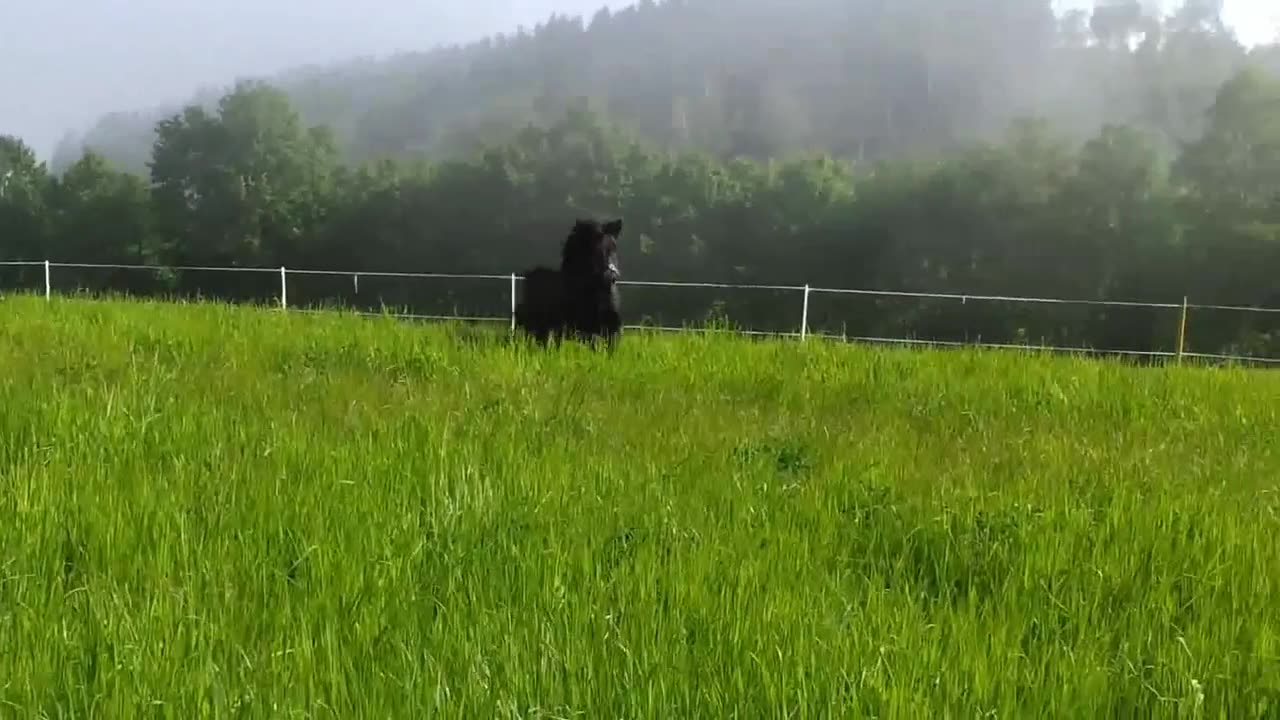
218,512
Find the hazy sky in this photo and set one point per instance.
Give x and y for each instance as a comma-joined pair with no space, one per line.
65,62
1255,21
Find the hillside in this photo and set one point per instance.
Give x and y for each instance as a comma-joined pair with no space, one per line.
225,511
862,79
1115,218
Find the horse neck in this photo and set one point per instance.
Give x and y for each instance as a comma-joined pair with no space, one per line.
588,283
574,265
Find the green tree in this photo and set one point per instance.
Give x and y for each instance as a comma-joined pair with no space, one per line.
24,185
1233,210
247,185
1234,167
100,215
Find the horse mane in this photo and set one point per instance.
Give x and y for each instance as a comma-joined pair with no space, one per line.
578,243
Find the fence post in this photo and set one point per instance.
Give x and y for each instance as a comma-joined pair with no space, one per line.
284,290
513,302
804,315
48,286
1182,329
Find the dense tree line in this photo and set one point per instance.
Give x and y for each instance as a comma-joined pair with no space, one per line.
861,79
248,183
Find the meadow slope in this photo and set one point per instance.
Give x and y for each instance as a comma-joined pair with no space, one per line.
214,512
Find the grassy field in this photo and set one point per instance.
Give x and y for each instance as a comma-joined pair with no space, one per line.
217,512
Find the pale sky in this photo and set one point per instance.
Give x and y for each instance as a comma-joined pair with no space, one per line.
1254,21
63,63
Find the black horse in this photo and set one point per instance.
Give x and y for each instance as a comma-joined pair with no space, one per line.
580,299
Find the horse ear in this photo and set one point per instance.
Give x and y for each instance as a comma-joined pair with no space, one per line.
613,227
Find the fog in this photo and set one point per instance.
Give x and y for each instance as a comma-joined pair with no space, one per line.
63,63
66,62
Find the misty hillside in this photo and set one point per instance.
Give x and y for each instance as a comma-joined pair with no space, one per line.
862,79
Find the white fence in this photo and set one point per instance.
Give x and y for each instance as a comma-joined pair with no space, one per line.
803,302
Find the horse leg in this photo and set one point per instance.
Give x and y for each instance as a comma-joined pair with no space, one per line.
612,327
556,328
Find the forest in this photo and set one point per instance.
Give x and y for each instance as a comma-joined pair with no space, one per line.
934,146
859,79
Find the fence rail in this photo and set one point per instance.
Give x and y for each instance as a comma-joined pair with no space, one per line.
803,332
